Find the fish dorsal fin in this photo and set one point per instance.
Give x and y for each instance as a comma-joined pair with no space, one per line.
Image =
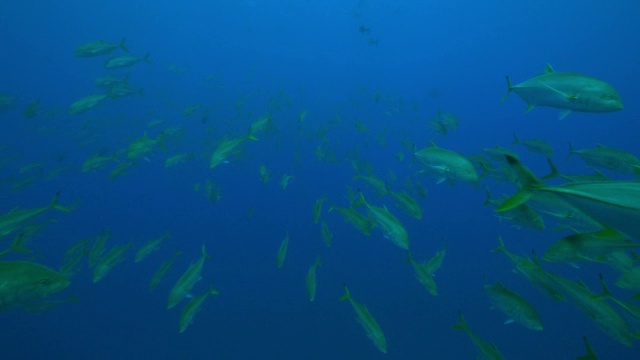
432,144
548,69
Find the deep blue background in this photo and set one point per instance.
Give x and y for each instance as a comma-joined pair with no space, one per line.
243,59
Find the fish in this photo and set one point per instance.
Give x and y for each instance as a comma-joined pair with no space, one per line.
19,218
327,236
489,350
193,307
99,47
24,283
150,247
368,322
355,218
566,91
535,146
514,306
391,227
311,279
125,61
408,204
87,103
144,145
608,158
96,162
425,271
590,246
159,274
447,165
596,308
614,204
317,209
111,259
185,283
282,251
178,159
224,150
591,355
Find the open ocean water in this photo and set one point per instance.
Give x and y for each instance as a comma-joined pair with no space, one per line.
349,88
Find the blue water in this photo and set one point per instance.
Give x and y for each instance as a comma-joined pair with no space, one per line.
244,59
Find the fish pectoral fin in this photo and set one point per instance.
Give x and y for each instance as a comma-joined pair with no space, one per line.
509,321
564,114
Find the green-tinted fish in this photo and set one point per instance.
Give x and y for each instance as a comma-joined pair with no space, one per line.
178,159
98,247
374,332
111,259
109,81
159,274
608,158
317,209
567,91
150,247
514,306
259,125
19,218
391,227
535,146
615,204
192,308
99,47
447,165
591,355
449,120
355,218
144,145
23,283
596,176
183,286
123,89
489,351
629,307
534,273
327,236
592,246
408,204
120,170
596,308
425,271
6,102
498,153
191,109
86,103
380,186
96,162
264,174
311,279
282,251
224,150
125,61
286,180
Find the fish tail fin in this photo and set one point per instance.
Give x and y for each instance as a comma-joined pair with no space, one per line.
462,325
213,291
146,58
605,290
122,45
530,183
409,258
553,172
571,150
160,141
489,199
515,139
360,200
346,295
17,246
54,204
501,248
509,88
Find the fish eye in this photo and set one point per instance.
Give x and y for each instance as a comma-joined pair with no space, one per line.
44,282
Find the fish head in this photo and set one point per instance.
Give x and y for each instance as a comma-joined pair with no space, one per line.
601,97
50,283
